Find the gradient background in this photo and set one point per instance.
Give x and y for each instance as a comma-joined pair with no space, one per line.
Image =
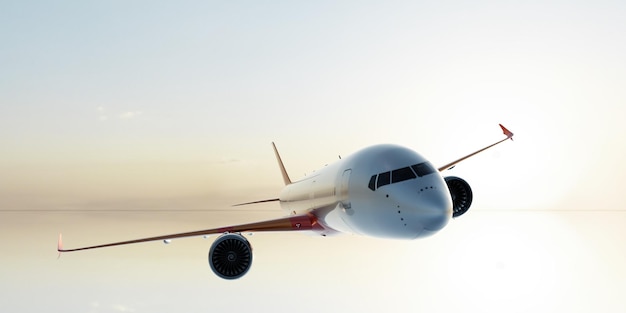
148,110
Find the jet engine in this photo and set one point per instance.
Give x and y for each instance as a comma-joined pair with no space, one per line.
461,195
230,256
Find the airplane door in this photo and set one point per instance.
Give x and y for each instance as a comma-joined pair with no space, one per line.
343,188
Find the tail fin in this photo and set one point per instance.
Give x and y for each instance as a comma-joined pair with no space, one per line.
282,166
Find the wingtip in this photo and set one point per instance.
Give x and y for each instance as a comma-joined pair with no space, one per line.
60,246
507,132
60,243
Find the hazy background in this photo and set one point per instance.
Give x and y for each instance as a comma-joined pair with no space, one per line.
159,115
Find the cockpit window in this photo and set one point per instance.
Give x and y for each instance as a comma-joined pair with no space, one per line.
401,174
372,184
383,179
423,169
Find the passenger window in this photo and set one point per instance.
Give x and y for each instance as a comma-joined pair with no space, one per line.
372,184
401,174
383,179
423,169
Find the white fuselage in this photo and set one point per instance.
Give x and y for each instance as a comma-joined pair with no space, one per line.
382,191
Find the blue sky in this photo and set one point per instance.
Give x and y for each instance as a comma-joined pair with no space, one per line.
158,105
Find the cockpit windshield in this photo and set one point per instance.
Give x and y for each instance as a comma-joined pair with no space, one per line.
401,174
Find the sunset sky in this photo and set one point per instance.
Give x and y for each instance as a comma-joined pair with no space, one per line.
157,116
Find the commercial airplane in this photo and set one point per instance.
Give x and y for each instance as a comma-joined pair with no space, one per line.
382,191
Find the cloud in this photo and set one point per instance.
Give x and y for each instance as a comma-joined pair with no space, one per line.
94,306
101,115
122,308
130,114
229,160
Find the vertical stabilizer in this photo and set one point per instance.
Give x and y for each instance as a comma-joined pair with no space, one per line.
282,166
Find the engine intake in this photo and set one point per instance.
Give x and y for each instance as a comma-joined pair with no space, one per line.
230,256
461,195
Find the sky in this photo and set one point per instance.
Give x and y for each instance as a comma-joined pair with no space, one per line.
125,119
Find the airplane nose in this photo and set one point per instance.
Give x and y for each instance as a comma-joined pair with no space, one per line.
435,209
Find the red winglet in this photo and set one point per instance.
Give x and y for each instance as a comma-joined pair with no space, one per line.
60,245
507,132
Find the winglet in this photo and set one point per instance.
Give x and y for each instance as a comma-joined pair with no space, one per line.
286,178
507,132
60,245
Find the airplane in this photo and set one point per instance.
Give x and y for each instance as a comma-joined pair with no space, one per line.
385,191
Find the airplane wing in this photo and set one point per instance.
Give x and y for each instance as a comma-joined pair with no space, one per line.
509,135
291,223
257,202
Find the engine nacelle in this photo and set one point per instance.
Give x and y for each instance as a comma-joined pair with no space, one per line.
461,195
230,256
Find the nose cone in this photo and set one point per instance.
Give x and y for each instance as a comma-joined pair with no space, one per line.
435,210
